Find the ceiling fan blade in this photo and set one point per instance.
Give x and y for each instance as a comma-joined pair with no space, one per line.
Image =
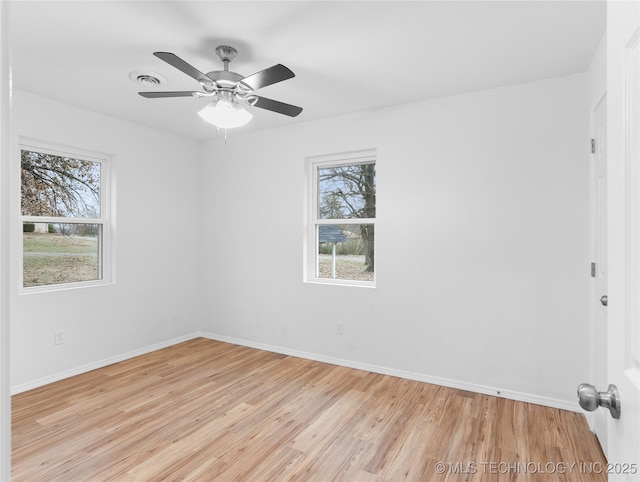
188,69
269,76
276,106
156,95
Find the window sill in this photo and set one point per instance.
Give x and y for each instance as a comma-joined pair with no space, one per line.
353,284
31,290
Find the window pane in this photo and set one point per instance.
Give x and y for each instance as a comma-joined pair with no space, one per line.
346,252
58,253
59,186
347,192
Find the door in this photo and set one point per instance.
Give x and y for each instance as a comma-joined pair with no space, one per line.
599,268
623,175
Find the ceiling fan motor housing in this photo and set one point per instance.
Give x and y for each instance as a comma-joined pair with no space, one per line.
225,78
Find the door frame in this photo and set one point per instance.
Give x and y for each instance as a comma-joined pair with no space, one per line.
597,349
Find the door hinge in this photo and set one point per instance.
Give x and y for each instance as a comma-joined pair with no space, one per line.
593,146
593,270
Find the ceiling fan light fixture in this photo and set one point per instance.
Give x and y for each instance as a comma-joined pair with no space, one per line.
225,113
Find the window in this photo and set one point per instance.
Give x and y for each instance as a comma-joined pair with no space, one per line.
64,214
342,217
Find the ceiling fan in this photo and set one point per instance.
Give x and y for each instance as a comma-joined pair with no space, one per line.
230,91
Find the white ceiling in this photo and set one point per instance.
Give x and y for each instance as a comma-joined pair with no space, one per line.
347,56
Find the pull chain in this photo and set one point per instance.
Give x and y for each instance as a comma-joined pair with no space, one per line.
225,134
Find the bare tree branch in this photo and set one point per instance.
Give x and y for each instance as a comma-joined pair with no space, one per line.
59,186
350,192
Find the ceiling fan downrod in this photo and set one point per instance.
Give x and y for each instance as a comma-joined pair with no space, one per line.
226,54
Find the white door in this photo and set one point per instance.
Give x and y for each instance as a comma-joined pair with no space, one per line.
599,268
623,173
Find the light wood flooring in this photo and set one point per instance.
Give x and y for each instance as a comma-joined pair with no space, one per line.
206,410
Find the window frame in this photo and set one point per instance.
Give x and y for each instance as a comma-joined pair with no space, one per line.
105,271
313,220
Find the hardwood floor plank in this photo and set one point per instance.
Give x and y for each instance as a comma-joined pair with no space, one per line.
206,410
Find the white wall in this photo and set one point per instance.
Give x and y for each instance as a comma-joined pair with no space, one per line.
597,74
482,241
154,298
5,376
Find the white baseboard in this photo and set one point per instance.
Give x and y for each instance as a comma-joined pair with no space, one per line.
99,364
421,377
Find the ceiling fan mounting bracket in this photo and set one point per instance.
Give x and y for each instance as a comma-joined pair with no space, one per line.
226,53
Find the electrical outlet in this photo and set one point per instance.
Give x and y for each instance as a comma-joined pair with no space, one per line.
340,328
58,337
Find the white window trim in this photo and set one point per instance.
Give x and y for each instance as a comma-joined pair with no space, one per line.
106,249
310,265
